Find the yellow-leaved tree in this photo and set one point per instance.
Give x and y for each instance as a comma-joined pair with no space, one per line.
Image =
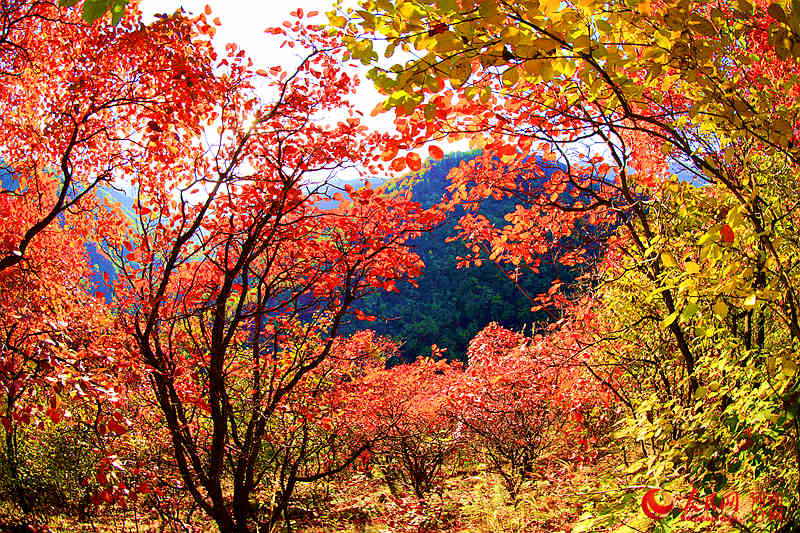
654,142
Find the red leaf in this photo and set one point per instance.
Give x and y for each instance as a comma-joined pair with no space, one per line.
413,161
727,233
55,414
437,29
435,152
389,153
116,427
398,164
377,110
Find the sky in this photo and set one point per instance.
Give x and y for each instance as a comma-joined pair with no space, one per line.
244,22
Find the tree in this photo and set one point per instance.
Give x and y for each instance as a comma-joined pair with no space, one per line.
507,411
622,94
566,72
72,115
238,282
420,439
530,402
57,348
82,115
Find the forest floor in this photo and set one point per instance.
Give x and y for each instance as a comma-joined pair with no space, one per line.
466,502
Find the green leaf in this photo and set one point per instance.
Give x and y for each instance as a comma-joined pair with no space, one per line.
94,9
707,237
689,311
117,11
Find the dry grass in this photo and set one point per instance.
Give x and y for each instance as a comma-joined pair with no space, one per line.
465,503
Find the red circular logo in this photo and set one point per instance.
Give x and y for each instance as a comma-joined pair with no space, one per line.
656,510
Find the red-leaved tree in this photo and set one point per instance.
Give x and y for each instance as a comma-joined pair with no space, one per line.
525,401
238,280
74,103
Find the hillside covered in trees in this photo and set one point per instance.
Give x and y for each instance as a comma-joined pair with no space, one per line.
604,292
450,305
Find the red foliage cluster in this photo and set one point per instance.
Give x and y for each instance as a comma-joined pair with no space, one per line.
408,403
522,400
521,404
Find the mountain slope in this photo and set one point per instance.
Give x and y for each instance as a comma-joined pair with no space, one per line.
451,305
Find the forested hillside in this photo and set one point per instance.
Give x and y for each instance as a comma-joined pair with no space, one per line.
450,305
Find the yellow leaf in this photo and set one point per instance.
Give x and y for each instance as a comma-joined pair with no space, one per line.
337,21
669,319
750,301
409,12
510,35
668,260
668,81
788,367
720,308
510,77
546,70
532,67
692,267
549,6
